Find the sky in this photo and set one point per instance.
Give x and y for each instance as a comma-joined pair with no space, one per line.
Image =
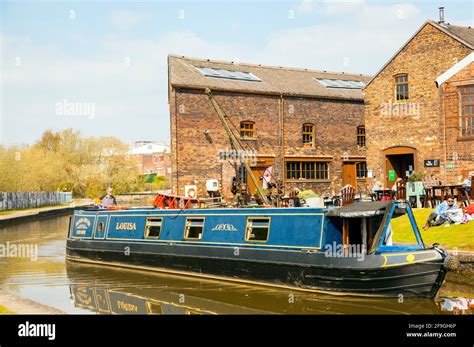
101,66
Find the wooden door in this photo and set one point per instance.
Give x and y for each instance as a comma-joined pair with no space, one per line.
258,173
349,173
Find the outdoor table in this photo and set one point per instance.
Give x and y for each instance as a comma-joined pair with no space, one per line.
444,187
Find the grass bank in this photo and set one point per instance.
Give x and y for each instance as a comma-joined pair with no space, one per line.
455,237
4,310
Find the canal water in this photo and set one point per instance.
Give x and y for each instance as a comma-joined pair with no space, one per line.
78,288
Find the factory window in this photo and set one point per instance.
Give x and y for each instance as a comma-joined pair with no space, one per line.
247,130
308,170
308,135
361,170
361,136
401,87
153,227
466,121
194,228
257,229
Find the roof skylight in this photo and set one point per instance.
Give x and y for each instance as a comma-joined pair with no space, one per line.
233,75
345,84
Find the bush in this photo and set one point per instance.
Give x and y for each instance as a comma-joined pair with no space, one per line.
416,176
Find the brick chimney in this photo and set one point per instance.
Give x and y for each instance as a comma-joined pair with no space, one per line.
441,15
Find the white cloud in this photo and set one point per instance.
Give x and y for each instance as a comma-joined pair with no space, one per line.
127,78
362,44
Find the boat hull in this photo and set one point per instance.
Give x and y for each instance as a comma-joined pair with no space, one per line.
302,270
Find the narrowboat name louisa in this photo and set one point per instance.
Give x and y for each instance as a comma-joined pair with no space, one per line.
345,250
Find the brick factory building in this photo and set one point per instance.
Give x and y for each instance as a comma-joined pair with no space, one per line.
456,88
152,157
414,123
308,125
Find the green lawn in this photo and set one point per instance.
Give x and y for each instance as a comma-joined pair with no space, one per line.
4,310
455,237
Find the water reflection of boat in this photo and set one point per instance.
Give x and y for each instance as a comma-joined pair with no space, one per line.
345,250
120,291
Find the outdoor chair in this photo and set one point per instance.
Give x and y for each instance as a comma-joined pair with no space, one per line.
401,193
347,195
428,200
463,196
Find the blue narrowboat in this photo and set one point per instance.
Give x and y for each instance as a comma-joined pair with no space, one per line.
343,250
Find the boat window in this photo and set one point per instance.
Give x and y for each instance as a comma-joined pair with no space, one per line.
257,229
400,232
153,227
100,227
194,228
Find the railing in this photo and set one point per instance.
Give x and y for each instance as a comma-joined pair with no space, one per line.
22,200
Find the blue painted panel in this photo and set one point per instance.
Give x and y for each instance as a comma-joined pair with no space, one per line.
288,227
398,248
126,226
100,234
83,225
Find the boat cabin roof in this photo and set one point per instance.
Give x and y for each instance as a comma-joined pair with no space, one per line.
363,209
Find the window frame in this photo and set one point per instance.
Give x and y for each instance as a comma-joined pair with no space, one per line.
298,167
358,170
466,117
361,136
186,228
308,133
253,130
147,227
247,233
402,83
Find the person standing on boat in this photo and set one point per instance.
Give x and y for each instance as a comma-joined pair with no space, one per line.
108,199
440,214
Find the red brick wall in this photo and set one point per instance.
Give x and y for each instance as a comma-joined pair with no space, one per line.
427,56
460,150
194,154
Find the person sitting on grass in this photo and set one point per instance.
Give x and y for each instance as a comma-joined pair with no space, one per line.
459,215
440,214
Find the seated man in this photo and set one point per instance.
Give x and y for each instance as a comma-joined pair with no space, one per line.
108,199
440,214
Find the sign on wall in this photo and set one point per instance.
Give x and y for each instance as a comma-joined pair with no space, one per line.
391,175
432,163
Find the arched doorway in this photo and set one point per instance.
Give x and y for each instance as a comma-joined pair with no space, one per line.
399,163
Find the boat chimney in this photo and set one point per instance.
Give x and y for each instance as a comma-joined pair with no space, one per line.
441,15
